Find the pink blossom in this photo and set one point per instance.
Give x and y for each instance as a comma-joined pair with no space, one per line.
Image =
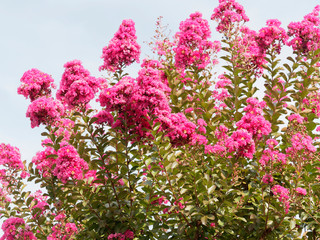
178,128
188,110
16,228
272,156
295,117
228,12
104,117
62,230
301,191
301,142
69,164
44,110
43,162
193,47
267,179
253,121
77,86
271,143
40,203
313,102
198,139
123,48
305,35
137,100
129,234
35,84
242,143
10,157
121,236
283,196
249,54
272,36
65,128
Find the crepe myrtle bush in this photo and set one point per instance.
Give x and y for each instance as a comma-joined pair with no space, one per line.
178,152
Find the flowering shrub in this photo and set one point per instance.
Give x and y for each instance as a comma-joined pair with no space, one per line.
177,152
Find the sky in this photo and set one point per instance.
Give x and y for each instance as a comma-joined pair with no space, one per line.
48,33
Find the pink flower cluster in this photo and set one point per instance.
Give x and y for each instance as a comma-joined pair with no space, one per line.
136,100
121,236
40,203
193,47
179,129
15,228
10,160
312,102
104,117
240,143
123,48
253,121
35,84
62,230
161,200
270,160
43,162
272,36
220,93
272,156
44,110
228,13
65,128
301,191
305,35
10,157
69,164
77,86
219,148
302,148
248,53
139,100
267,179
283,195
296,118
251,47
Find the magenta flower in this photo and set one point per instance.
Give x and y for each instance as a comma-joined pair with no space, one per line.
283,195
44,110
69,164
228,12
242,143
35,84
272,156
305,35
295,118
137,100
104,117
272,36
267,179
253,121
178,128
301,191
77,86
193,47
123,48
16,228
10,157
43,162
40,203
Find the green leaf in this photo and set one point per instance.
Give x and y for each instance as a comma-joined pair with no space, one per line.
204,220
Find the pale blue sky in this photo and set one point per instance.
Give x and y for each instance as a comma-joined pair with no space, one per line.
45,34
